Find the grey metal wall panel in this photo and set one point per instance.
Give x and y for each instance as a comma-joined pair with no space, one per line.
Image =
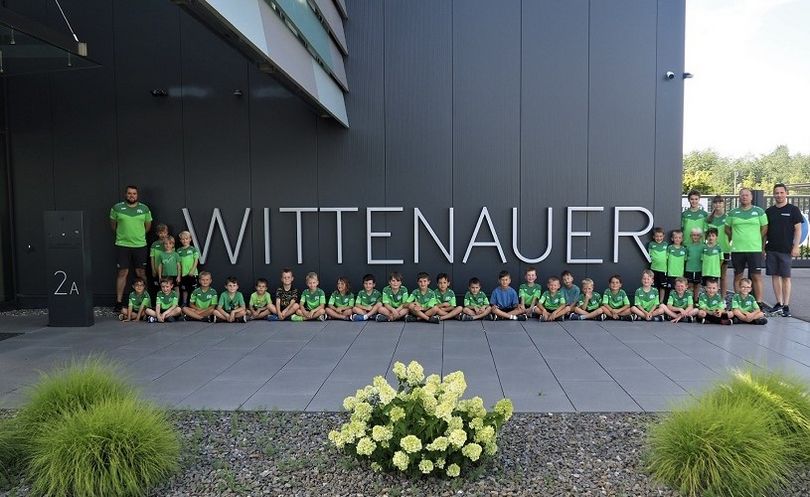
351,165
669,113
554,127
418,128
621,131
486,130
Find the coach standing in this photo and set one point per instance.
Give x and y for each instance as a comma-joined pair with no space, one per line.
746,227
782,244
130,220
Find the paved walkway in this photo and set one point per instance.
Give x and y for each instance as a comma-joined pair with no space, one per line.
571,366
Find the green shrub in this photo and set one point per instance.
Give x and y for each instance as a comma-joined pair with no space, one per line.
721,449
784,396
117,447
65,391
10,452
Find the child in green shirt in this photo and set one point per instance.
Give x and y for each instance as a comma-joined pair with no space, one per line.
162,231
139,301
680,304
446,298
552,304
529,293
589,305
166,304
657,249
368,300
424,305
615,304
646,303
744,306
231,303
189,259
395,298
476,303
712,306
313,301
260,304
341,301
694,262
169,262
203,300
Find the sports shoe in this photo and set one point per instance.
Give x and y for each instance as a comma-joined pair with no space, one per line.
658,319
574,317
296,318
244,319
521,317
358,317
434,320
410,319
777,308
764,307
492,317
170,319
627,318
726,322
322,317
272,317
182,317
212,319
633,317
702,320
466,317
541,318
786,311
118,306
381,318
151,319
560,318
121,317
735,320
761,321
602,316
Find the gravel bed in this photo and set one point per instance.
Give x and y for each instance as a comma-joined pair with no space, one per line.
106,312
286,454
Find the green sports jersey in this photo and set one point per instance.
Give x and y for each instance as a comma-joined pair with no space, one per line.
658,256
593,303
448,297
188,255
168,261
693,219
694,257
676,260
364,299
615,300
746,224
155,250
529,295
130,229
203,299
165,301
311,300
719,222
229,303
395,299
479,299
257,301
338,299
137,300
712,259
426,300
745,304
552,301
711,303
680,301
646,299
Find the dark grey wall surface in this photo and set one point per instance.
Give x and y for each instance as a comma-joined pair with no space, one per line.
532,104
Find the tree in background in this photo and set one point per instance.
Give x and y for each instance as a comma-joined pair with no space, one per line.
710,173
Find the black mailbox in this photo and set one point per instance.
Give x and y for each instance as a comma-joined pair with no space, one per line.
67,255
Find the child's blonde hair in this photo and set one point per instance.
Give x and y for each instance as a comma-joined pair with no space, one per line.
312,275
169,238
681,279
587,281
745,280
184,234
648,272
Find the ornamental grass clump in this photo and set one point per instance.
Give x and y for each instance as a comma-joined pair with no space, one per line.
715,448
117,447
422,427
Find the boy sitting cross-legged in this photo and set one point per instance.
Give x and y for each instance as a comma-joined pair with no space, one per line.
203,300
680,305
424,305
589,305
744,306
476,303
395,298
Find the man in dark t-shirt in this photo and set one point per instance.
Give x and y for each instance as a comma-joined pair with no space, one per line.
782,244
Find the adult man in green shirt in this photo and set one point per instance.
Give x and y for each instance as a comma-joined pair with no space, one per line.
130,220
746,227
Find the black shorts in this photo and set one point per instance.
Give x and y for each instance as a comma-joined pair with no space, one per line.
671,281
188,283
129,257
751,260
692,276
507,309
726,258
778,264
660,280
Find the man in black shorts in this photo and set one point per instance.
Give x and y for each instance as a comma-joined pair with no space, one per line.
746,227
782,244
130,220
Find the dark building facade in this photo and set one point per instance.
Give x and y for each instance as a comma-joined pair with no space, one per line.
463,104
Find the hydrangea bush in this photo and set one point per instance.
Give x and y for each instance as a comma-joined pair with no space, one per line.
422,427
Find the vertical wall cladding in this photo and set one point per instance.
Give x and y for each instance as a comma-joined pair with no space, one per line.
621,130
419,131
150,131
216,146
486,130
669,113
351,164
554,128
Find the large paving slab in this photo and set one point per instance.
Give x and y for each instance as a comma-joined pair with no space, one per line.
542,367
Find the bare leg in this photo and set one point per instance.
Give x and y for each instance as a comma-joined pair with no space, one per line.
120,283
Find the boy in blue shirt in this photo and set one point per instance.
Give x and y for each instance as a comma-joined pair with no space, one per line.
504,300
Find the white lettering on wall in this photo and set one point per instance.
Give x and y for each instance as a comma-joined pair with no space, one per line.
515,231
494,243
571,234
216,218
298,211
378,234
634,234
418,219
339,221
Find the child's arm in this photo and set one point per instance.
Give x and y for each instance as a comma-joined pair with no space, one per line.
179,270
160,272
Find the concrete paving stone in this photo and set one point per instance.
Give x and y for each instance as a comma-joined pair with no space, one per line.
662,403
646,381
152,367
273,401
14,399
683,369
545,383
215,361
572,351
577,369
547,402
599,396
659,350
241,341
699,387
221,394
289,381
315,357
330,396
23,324
614,362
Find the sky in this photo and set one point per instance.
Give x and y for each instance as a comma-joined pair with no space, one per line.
751,86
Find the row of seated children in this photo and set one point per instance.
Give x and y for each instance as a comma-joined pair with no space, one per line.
395,302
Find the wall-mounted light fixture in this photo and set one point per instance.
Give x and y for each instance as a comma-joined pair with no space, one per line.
159,92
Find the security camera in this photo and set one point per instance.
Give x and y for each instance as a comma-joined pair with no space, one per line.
670,75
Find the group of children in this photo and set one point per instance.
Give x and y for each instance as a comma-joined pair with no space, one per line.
670,289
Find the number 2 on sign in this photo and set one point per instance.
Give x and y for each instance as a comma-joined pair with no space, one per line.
74,288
